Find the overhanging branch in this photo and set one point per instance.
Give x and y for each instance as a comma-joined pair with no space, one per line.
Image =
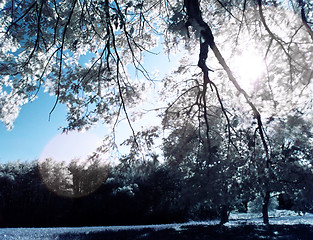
207,40
304,18
61,57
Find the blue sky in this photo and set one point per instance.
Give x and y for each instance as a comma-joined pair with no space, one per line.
33,134
33,131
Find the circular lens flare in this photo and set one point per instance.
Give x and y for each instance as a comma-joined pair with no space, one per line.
66,167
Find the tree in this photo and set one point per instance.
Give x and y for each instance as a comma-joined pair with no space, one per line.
81,51
75,179
87,176
43,43
218,180
292,159
56,176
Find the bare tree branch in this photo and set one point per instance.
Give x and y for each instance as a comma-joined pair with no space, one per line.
304,18
61,56
207,40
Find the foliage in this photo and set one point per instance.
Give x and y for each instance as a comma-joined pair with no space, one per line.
118,200
75,179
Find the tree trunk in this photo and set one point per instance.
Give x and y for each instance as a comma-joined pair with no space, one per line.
224,214
265,207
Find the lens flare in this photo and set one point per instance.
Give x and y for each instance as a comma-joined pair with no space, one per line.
66,165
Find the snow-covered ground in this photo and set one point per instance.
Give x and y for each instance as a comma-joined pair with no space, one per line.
277,217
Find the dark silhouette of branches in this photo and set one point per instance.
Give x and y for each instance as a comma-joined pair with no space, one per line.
304,18
61,56
206,41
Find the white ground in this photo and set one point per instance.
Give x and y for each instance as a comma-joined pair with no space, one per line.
276,217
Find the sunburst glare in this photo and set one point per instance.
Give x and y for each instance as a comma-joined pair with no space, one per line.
249,67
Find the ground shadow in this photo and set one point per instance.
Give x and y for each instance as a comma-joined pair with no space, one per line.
273,232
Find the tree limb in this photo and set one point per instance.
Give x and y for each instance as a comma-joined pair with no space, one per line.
61,57
304,19
207,40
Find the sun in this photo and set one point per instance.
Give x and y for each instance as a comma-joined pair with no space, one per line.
249,67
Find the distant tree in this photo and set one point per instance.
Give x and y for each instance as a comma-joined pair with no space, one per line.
22,194
87,176
76,179
56,176
292,160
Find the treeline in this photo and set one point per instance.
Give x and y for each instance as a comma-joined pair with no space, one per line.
34,194
41,194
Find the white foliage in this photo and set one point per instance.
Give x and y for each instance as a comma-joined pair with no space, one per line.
129,189
84,58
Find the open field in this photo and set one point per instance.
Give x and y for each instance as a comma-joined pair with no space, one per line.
205,233
284,225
